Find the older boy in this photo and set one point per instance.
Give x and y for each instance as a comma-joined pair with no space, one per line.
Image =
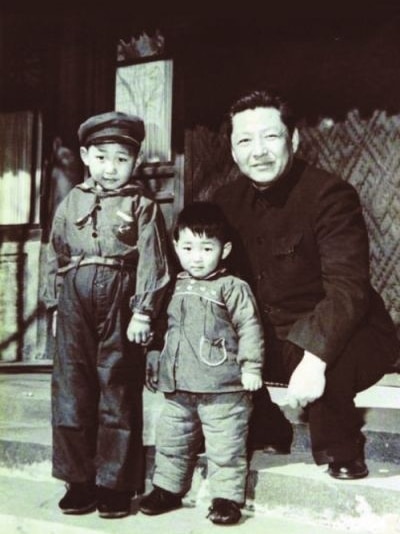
108,269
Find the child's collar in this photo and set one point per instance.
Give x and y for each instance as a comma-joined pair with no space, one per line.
90,185
184,275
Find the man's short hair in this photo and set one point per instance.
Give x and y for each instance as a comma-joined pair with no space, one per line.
264,98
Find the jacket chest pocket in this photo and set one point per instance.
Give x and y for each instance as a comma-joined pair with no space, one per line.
212,352
287,246
120,232
126,232
289,257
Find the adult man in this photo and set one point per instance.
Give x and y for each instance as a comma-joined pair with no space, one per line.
305,253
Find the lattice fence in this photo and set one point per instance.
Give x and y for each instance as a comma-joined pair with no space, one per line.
364,151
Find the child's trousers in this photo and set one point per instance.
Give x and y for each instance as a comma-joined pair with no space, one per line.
222,418
97,383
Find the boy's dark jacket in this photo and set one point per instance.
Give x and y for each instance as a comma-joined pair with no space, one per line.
123,226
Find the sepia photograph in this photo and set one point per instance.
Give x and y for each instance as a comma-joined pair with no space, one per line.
200,267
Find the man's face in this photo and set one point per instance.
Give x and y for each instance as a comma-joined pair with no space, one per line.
261,145
110,164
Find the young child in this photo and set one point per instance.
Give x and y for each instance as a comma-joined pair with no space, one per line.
107,272
211,360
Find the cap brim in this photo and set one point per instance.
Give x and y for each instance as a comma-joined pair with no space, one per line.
115,138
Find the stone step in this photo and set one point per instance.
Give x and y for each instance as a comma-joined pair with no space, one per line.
380,408
286,496
294,487
25,431
285,486
29,505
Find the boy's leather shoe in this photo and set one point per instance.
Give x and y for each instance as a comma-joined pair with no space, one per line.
224,512
112,504
80,498
348,470
160,501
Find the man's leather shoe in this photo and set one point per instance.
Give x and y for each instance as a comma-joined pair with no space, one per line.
160,501
348,470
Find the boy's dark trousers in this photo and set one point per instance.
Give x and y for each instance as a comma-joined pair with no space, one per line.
97,382
334,421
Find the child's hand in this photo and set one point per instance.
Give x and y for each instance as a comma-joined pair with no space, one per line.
251,381
152,364
139,331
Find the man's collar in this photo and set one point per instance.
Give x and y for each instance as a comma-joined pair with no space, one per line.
278,193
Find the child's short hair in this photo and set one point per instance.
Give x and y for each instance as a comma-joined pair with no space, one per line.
203,218
113,126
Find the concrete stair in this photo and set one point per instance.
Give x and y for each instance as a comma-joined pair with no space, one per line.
29,497
290,486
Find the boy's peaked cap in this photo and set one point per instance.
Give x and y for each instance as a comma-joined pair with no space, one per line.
113,126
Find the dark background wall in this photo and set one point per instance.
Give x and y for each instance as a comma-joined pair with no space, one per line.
328,56
327,60
335,60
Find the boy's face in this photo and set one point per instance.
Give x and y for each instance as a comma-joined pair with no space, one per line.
200,255
110,164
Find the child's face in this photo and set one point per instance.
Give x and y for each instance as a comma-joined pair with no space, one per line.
200,255
110,164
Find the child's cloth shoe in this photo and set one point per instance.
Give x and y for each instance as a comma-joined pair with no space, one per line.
224,512
160,501
80,498
112,504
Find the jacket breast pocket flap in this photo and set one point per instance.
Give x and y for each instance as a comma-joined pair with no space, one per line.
288,245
